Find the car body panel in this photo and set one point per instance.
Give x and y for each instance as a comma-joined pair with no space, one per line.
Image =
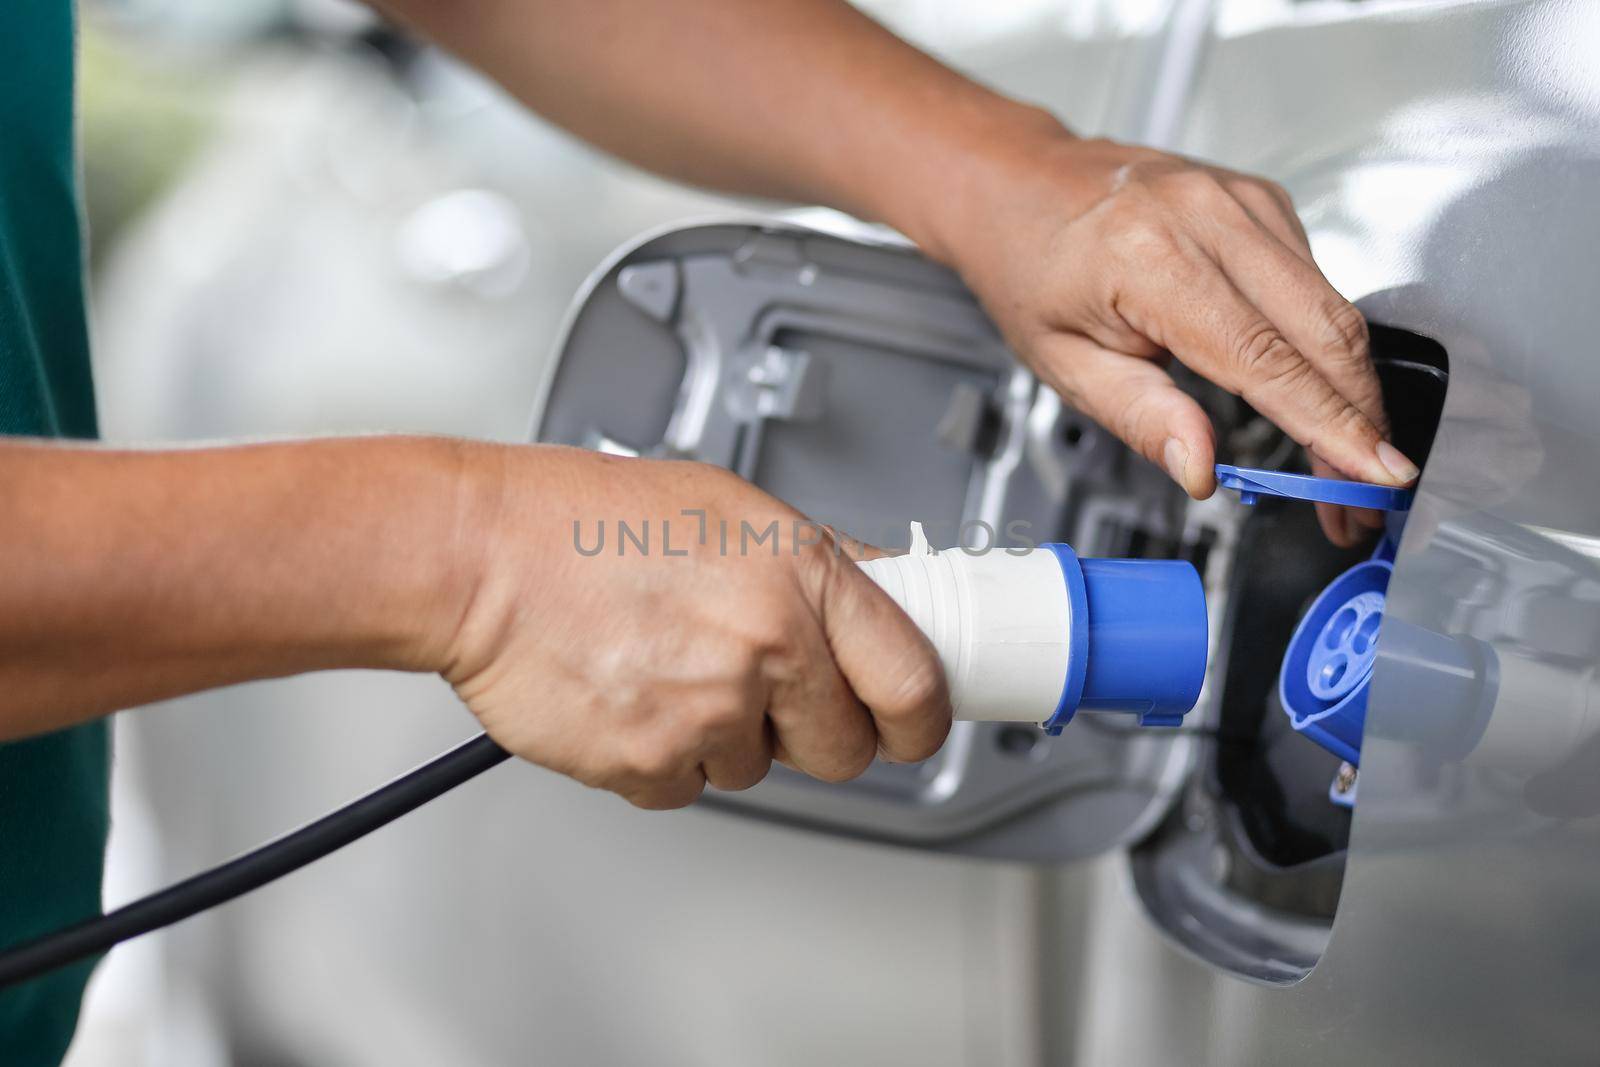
1446,159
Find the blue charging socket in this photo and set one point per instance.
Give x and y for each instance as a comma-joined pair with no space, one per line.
1327,667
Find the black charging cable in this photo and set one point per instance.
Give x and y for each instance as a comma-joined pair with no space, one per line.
254,869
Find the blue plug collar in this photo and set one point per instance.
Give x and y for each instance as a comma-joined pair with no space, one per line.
1138,640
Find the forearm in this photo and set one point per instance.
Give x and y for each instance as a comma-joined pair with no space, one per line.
805,100
129,576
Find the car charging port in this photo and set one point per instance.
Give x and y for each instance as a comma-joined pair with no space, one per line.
1248,871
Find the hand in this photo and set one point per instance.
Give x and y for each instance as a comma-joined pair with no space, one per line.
651,674
1098,261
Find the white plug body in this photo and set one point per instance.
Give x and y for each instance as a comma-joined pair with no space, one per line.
1000,621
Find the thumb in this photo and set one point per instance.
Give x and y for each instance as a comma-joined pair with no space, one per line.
1138,401
892,667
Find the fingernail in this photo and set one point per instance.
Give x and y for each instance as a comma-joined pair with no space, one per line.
1395,462
1175,454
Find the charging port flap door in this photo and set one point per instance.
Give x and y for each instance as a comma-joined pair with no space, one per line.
863,384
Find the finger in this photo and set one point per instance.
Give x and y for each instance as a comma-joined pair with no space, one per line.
821,728
656,766
1335,526
888,663
1322,325
741,759
1197,313
665,794
1271,207
780,754
1137,401
851,548
1368,518
1344,526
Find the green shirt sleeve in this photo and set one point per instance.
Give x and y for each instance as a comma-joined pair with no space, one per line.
53,789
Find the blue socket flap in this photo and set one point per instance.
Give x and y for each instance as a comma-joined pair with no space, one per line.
1252,482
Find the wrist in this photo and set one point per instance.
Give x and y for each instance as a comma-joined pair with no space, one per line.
984,164
461,498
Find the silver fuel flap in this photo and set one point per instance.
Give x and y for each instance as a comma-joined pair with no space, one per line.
862,383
